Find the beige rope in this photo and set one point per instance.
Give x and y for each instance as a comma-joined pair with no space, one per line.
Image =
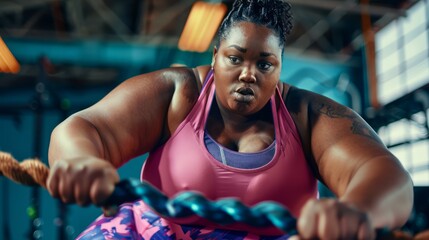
33,172
29,172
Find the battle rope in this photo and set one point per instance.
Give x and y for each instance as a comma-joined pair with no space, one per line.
224,211
29,172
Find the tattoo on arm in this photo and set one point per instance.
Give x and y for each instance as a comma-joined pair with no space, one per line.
357,127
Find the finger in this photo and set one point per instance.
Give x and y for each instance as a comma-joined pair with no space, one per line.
349,225
52,184
81,193
294,237
366,230
307,221
65,189
350,221
100,190
328,224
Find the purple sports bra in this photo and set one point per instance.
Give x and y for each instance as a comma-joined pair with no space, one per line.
183,163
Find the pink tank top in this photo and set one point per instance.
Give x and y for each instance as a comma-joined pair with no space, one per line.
183,163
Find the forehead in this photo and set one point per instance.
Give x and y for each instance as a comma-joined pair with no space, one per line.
252,36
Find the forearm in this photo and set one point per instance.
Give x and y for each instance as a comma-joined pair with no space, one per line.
73,138
81,170
382,189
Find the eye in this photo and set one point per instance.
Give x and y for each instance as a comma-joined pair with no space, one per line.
264,66
234,60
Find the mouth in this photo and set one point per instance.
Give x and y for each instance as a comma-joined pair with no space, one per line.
244,94
245,91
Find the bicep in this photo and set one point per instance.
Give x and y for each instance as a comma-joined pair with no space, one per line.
341,142
130,118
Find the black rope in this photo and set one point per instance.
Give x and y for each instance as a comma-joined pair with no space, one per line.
224,211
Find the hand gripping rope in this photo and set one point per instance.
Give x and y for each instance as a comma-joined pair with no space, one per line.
224,211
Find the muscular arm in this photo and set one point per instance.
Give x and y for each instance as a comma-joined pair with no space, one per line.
356,165
351,160
130,120
134,118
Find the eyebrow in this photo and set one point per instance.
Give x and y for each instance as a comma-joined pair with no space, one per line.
244,50
266,54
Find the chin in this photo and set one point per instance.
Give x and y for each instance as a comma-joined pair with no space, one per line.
244,108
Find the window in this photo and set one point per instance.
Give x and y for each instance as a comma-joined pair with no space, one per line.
402,54
408,141
402,63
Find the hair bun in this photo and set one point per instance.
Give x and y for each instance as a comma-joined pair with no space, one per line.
273,14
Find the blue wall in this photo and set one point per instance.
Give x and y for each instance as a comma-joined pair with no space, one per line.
17,132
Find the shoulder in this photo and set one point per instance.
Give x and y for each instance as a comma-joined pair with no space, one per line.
300,101
297,102
201,72
296,99
187,84
183,81
184,76
167,76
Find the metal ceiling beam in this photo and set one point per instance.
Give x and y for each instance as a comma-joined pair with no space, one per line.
17,6
169,15
350,7
118,26
7,7
314,36
358,41
74,14
316,31
338,10
30,23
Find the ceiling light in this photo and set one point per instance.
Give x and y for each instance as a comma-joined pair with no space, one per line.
8,63
201,26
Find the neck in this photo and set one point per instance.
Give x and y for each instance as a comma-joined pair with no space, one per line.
239,122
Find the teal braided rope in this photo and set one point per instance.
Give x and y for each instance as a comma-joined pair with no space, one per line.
223,212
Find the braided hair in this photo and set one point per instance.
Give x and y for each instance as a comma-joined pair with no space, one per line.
273,14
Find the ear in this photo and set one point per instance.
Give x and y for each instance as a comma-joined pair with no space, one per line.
214,56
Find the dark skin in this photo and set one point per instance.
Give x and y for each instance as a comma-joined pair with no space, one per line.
372,187
244,125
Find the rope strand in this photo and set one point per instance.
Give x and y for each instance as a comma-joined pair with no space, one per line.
30,172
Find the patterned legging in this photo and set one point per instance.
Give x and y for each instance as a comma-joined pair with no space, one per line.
137,221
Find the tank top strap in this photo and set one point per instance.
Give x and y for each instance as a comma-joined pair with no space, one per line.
207,78
286,122
198,115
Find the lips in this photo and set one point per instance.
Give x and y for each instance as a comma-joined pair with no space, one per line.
244,94
245,91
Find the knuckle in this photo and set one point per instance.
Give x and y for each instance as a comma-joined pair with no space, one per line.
310,204
333,202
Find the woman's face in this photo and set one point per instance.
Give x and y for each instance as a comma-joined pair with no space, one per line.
247,68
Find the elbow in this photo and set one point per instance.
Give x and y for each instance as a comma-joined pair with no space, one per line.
73,137
405,202
54,138
56,141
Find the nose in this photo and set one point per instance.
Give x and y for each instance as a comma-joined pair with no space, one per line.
247,75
